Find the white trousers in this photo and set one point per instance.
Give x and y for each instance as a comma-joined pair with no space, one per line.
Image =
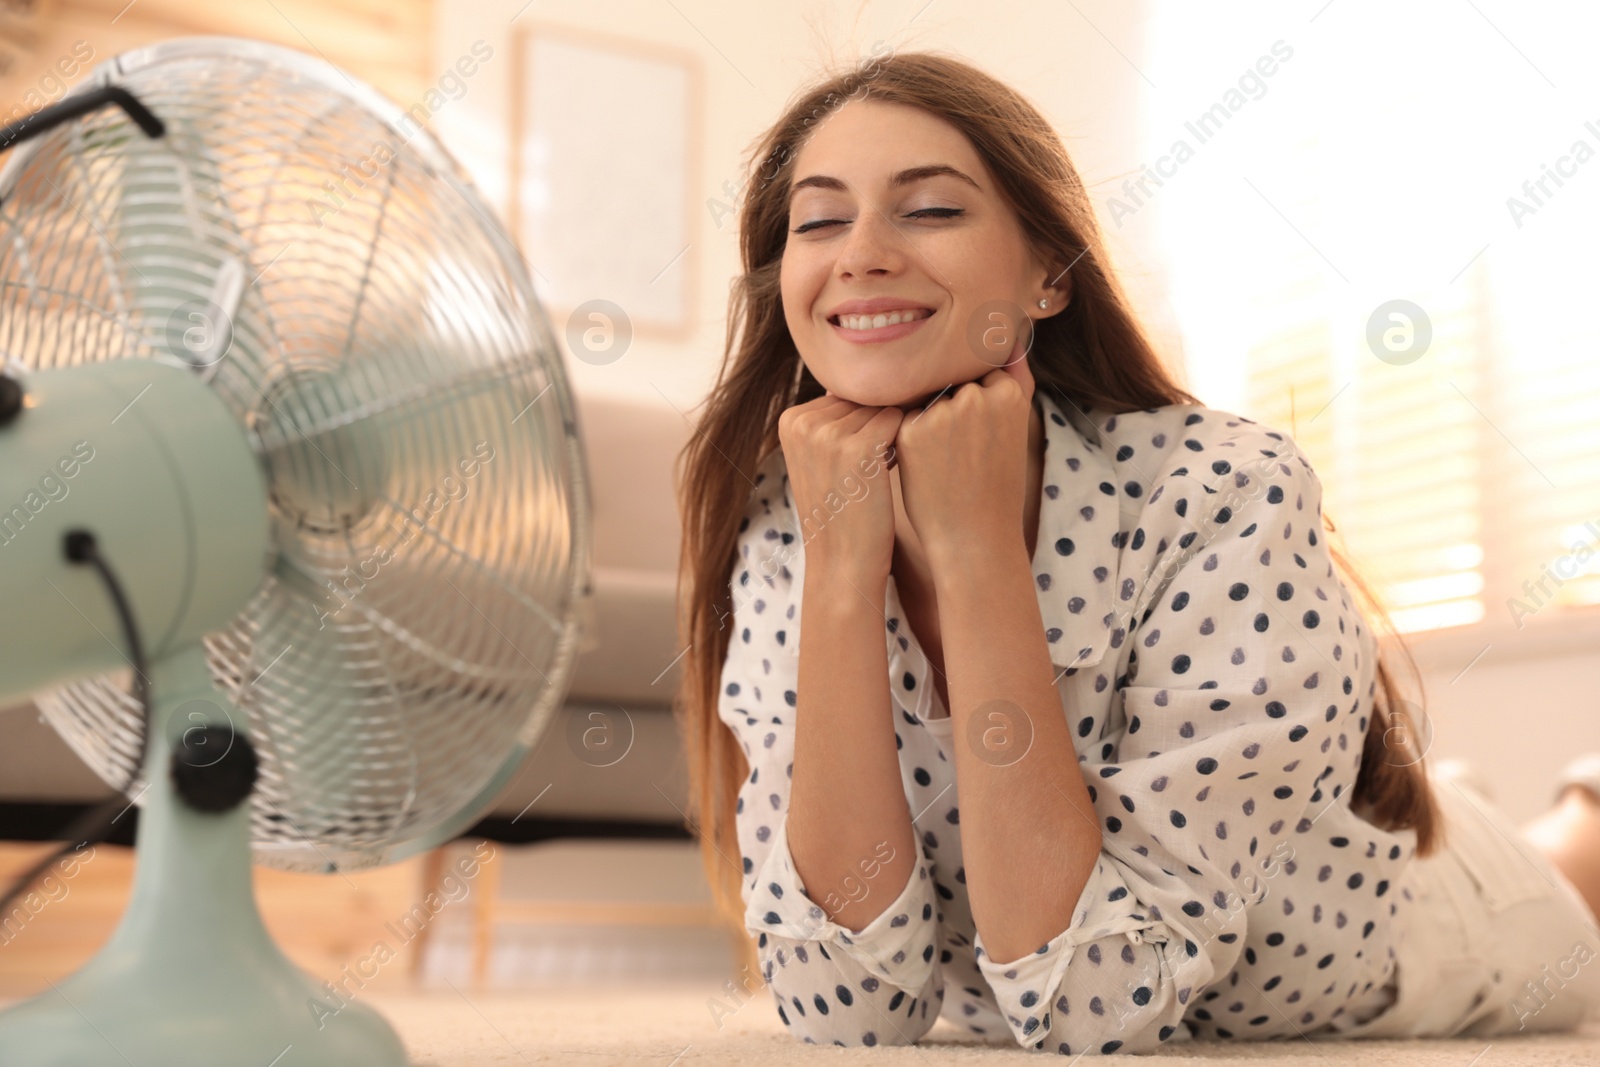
1499,941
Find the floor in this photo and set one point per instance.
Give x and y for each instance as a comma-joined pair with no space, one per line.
602,993
702,1025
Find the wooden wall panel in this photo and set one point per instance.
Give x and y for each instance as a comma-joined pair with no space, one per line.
388,44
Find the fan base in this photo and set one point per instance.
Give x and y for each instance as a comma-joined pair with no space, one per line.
112,1014
190,977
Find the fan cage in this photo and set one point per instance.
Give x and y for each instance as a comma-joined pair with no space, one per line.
325,266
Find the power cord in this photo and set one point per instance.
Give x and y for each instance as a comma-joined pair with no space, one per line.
94,825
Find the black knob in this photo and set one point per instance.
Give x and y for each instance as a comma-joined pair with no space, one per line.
79,545
11,395
213,768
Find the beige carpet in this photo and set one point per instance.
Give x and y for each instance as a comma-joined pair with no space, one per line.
676,1027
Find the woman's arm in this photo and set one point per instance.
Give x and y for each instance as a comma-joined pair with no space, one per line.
848,814
874,981
1233,708
1029,837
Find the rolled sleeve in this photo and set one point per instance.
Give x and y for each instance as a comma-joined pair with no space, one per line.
1116,979
899,944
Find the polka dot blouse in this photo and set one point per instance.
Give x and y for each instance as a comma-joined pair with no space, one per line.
1220,677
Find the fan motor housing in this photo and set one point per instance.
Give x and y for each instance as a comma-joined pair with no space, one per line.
143,454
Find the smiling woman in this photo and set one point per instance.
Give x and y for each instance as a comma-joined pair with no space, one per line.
1130,767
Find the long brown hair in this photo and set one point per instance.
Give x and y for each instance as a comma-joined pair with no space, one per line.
1092,354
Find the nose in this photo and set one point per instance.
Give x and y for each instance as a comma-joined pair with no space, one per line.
874,244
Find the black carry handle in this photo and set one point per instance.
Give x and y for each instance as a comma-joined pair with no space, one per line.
47,118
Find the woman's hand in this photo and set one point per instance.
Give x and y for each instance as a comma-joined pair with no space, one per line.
837,453
963,464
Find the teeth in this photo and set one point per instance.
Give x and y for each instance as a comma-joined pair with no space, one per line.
877,322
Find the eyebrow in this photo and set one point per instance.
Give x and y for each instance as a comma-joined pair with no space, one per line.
902,178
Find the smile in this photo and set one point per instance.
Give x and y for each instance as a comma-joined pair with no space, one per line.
884,326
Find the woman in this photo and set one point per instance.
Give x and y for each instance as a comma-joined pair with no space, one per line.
1135,775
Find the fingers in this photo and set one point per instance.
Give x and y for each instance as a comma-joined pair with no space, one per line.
836,418
827,408
884,423
851,415
884,428
853,421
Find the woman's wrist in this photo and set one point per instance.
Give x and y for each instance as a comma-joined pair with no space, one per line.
956,569
832,580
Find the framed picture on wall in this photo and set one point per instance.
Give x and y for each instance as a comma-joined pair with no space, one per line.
605,162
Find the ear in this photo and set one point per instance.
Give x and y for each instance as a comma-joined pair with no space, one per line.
1055,286
1060,290
1058,287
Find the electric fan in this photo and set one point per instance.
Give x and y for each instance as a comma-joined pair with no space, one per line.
275,373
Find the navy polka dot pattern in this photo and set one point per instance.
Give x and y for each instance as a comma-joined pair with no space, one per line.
1217,676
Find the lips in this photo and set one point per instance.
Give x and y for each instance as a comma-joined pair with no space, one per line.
876,305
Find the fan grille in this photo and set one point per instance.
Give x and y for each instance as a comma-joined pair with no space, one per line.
325,267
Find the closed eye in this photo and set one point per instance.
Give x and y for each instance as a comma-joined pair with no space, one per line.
936,212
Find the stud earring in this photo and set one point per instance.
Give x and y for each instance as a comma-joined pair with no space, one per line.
1044,303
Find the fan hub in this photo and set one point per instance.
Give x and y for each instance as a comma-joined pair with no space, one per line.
326,480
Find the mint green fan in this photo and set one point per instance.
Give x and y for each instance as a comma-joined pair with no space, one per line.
272,365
